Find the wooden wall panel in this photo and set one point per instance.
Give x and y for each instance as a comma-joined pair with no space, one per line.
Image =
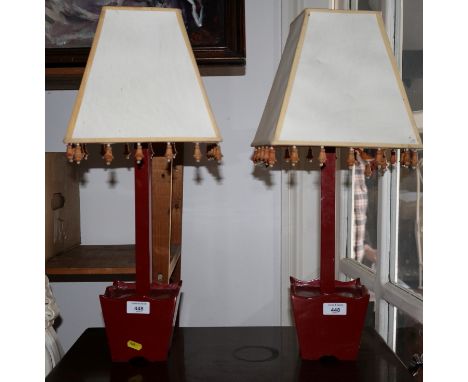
161,205
62,205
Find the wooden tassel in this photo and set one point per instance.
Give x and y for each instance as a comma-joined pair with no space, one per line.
384,162
351,159
368,170
322,156
379,158
294,156
197,155
407,159
258,155
266,157
103,151
151,150
217,153
85,151
70,153
78,156
287,156
210,151
169,155
310,156
262,155
414,159
127,151
213,151
271,156
108,157
254,155
403,157
393,158
139,153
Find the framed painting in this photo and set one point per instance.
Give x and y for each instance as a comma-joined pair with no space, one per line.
216,29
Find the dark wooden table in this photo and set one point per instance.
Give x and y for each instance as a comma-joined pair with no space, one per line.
240,354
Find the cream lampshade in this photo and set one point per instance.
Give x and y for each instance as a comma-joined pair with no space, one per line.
337,85
141,84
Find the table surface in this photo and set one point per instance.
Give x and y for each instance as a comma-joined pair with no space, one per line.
241,354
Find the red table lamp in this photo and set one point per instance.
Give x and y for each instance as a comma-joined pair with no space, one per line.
337,85
141,86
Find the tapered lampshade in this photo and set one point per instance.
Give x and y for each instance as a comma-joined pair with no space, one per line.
337,85
141,83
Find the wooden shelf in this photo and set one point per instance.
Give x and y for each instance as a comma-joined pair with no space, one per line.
94,260
100,260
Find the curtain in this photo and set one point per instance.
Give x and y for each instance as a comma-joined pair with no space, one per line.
53,349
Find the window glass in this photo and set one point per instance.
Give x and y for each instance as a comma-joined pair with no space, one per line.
370,5
410,228
412,56
409,342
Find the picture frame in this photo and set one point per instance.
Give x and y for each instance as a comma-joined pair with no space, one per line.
218,44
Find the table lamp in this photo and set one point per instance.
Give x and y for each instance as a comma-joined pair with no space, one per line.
141,87
337,85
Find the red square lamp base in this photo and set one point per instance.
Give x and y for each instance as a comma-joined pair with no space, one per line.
329,324
139,325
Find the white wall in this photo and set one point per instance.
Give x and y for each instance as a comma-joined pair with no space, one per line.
231,228
231,222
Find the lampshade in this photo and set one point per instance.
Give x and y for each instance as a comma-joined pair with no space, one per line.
141,83
337,85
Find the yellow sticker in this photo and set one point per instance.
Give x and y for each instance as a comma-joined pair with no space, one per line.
134,345
136,378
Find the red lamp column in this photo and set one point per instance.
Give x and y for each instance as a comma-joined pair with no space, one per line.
143,223
327,223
